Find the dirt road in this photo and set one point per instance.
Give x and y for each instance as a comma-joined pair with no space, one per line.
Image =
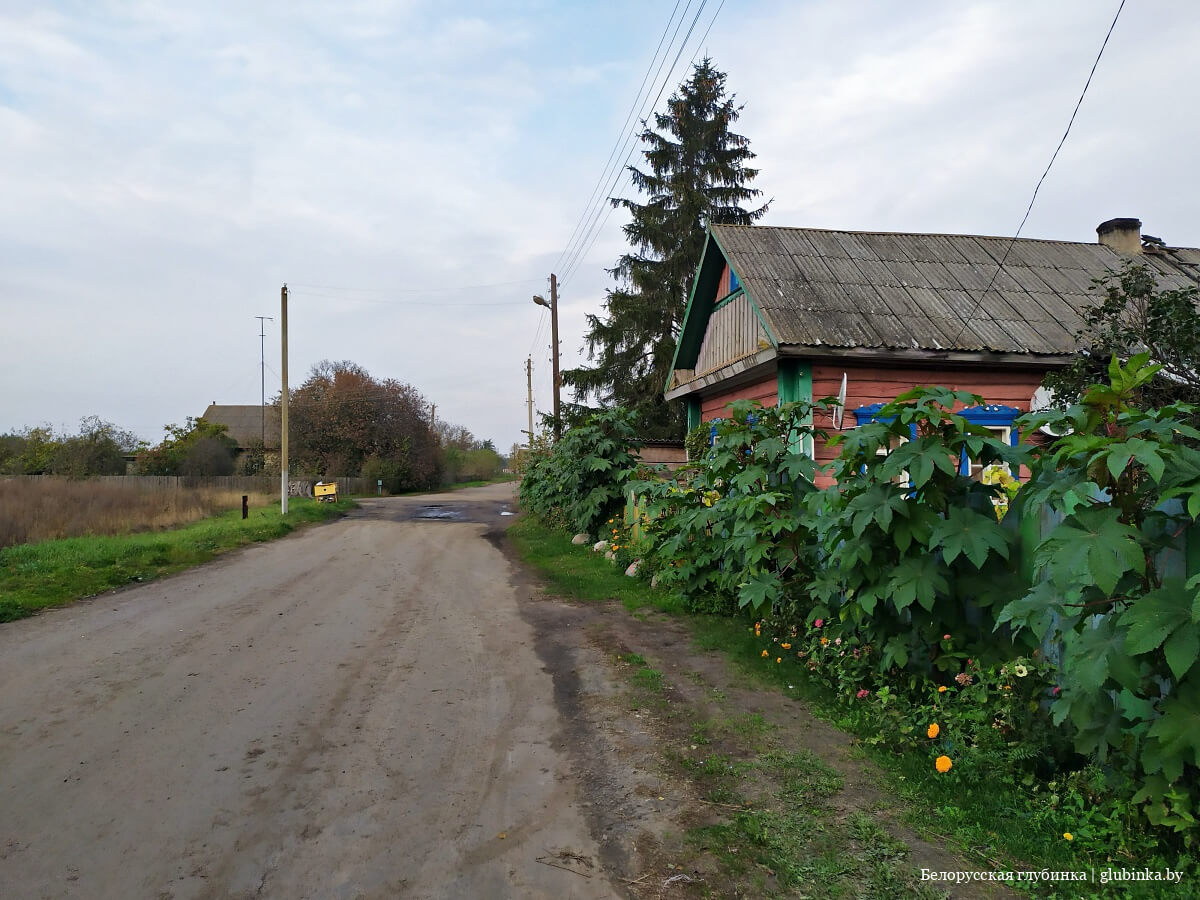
355,711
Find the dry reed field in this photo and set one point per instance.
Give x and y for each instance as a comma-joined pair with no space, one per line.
42,509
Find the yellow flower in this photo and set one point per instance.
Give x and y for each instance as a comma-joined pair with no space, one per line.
779,659
824,641
943,764
1068,836
765,654
933,730
941,689
786,646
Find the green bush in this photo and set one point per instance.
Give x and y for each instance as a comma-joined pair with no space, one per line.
581,481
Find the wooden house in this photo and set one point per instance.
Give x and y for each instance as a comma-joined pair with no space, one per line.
784,314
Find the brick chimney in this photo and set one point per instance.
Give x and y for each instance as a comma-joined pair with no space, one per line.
1122,235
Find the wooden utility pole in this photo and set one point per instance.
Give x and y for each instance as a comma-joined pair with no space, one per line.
283,408
432,415
554,350
529,394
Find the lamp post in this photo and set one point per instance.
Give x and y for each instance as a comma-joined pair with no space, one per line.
553,307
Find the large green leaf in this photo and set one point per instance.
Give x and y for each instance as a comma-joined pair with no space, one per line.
1152,618
1176,731
970,534
1092,546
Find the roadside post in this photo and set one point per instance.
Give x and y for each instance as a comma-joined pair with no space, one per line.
379,486
245,506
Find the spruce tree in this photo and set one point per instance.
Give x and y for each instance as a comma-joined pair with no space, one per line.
696,174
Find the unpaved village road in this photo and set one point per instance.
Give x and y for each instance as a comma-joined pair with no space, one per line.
355,711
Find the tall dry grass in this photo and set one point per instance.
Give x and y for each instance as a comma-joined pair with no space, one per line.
50,508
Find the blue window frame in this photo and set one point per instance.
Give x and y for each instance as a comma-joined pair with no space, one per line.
993,416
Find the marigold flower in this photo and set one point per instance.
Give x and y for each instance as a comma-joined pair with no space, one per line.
1068,836
779,659
933,730
786,646
941,689
824,641
1008,687
765,654
943,764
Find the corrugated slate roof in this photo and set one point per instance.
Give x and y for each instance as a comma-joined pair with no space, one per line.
925,291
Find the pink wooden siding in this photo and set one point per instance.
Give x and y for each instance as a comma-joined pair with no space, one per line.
764,391
868,384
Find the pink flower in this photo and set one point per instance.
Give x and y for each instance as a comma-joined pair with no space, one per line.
1056,690
863,693
818,623
945,637
838,641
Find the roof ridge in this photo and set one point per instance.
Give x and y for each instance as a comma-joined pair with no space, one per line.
989,237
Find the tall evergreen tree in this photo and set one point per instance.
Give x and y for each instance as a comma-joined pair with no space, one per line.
696,175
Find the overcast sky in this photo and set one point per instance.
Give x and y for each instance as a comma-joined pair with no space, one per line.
414,170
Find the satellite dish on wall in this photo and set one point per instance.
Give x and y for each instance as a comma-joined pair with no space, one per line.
1044,399
840,409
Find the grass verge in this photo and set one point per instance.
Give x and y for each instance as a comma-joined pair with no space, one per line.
995,823
54,573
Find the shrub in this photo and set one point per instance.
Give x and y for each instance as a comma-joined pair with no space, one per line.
582,480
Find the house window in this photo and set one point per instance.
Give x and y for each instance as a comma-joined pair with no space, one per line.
999,421
734,284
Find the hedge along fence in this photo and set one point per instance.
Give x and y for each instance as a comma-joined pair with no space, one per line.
905,563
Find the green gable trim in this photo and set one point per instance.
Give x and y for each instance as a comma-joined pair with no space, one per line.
695,315
729,298
702,302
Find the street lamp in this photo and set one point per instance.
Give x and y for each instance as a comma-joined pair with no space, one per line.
553,307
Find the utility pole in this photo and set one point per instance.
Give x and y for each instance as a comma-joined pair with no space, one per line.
529,395
432,415
262,343
283,408
553,306
554,356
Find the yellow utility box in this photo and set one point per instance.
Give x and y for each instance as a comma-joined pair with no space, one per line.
325,491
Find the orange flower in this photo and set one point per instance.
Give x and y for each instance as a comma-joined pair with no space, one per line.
824,641
933,730
779,659
941,689
765,654
943,764
786,646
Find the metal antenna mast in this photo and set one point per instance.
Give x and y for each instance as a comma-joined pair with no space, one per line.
262,335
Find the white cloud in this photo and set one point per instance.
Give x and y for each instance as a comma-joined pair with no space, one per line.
165,167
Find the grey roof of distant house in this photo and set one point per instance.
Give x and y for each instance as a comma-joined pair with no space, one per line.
245,422
915,291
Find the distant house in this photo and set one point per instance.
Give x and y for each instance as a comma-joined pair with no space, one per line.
245,424
784,314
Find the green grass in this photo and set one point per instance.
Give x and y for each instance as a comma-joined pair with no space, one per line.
991,821
580,573
54,573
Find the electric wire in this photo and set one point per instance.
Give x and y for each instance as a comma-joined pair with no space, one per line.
594,234
394,290
1000,267
612,154
631,138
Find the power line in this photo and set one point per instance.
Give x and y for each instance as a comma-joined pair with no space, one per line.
581,254
621,137
1038,186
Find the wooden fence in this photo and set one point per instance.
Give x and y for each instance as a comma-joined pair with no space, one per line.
242,484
